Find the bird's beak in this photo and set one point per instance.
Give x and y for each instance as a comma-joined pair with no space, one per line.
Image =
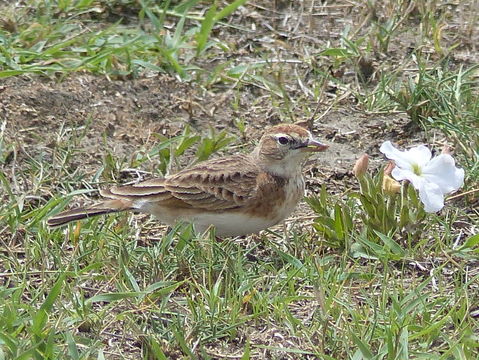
314,146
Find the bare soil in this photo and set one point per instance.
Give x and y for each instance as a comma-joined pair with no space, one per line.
121,116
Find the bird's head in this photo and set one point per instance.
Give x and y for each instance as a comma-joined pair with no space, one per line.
283,148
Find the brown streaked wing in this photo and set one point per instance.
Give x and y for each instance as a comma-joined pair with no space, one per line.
151,182
133,192
216,184
223,183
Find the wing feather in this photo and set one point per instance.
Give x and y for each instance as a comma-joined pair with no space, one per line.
216,184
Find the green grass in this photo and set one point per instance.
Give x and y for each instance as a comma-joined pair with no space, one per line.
361,282
73,36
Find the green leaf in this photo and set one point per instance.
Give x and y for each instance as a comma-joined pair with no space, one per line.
375,248
365,350
338,223
162,288
40,318
109,297
161,20
8,73
157,22
391,244
159,289
148,65
323,196
228,10
290,259
413,197
247,351
183,7
101,355
156,350
29,354
72,347
357,250
205,30
84,3
131,278
368,206
404,215
347,218
470,242
180,338
7,339
212,144
176,41
325,224
171,61
186,141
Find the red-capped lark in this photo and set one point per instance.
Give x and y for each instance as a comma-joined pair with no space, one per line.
239,194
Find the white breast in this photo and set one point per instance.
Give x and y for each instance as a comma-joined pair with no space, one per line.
238,224
231,224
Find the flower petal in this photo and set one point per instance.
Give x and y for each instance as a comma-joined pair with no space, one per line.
420,155
431,196
402,160
402,174
442,171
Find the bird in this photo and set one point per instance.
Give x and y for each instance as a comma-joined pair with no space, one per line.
239,194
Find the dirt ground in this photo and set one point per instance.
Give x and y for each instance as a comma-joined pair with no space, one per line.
121,115
127,113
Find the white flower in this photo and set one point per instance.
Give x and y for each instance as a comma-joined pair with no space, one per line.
433,178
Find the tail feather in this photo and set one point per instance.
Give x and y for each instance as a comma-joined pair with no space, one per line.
105,207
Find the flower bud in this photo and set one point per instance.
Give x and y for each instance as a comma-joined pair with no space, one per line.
390,186
361,166
389,168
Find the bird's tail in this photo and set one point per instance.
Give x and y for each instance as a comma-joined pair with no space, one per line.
105,207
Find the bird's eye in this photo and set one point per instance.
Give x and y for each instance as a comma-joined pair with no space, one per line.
283,140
